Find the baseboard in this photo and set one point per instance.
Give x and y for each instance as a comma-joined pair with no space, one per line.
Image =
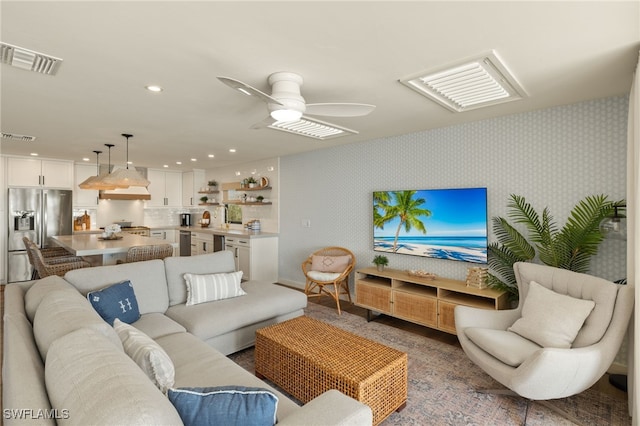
617,368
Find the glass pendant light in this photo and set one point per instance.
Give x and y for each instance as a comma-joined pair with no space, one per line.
124,178
615,226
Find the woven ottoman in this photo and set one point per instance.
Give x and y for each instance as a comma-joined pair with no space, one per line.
307,357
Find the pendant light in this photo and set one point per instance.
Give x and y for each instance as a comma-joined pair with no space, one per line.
615,226
100,182
87,183
124,178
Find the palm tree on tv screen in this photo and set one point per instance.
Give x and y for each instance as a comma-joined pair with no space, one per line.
408,210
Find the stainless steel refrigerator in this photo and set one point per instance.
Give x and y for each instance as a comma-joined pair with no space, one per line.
36,214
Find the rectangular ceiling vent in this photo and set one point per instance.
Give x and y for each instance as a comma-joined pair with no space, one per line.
21,138
312,128
29,60
469,84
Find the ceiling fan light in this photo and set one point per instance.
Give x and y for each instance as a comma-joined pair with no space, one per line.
285,115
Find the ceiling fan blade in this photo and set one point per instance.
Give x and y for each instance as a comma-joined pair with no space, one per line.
248,90
268,121
339,109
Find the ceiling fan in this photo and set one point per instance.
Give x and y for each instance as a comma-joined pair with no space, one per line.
286,104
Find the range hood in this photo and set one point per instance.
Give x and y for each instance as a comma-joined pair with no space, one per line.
131,193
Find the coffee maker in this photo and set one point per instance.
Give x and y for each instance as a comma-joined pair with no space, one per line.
186,219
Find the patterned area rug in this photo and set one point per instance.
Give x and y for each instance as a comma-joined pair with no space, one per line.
442,382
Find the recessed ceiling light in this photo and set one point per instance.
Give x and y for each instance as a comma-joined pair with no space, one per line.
178,162
237,173
165,165
211,156
85,159
154,88
194,159
35,154
232,150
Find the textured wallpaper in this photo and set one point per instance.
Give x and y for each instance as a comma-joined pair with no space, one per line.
553,157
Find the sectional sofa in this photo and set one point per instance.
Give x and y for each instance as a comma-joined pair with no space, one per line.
63,363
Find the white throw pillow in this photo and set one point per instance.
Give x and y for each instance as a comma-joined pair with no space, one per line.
207,288
149,356
550,319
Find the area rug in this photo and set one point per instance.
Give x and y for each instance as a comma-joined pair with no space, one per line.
442,383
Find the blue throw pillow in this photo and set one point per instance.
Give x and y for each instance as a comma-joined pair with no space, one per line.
116,301
225,405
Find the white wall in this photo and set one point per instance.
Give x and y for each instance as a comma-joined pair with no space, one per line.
553,157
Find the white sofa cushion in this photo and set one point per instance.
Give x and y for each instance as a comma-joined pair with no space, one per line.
157,325
148,280
262,301
551,319
61,313
98,384
149,356
42,288
176,267
508,347
212,287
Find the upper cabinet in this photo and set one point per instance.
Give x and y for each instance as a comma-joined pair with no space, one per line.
39,173
165,188
84,197
191,184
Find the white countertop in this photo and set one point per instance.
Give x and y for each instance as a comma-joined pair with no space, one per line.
226,232
87,244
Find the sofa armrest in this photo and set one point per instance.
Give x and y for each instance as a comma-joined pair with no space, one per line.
330,408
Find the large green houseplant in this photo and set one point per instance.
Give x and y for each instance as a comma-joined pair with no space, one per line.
570,247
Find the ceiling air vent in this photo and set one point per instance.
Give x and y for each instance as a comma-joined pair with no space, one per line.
469,84
21,138
29,60
312,128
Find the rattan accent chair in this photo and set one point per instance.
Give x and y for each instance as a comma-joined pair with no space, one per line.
327,273
52,265
141,253
51,255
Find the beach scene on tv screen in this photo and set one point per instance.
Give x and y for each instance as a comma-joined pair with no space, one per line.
438,223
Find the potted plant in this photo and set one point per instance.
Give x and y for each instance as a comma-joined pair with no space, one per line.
213,185
252,182
380,261
204,200
259,198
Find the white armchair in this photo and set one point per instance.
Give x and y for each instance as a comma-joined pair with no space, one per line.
538,370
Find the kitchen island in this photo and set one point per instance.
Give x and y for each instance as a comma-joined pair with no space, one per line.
98,251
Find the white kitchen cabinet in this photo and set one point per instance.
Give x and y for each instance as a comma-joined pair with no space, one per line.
191,184
257,258
84,197
166,234
165,188
39,173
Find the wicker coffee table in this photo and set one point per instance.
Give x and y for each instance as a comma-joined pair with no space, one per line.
307,357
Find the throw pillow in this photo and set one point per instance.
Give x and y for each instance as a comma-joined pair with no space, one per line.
149,356
329,263
550,319
116,301
207,288
226,405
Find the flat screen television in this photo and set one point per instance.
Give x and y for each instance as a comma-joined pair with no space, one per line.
437,223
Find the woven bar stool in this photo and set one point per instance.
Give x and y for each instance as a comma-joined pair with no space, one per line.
142,253
51,255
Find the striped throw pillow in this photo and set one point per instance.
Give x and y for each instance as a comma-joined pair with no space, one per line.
207,288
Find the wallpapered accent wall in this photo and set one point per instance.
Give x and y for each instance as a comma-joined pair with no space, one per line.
553,157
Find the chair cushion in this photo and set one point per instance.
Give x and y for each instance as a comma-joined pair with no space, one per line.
329,263
323,276
211,287
508,347
226,405
149,356
551,319
118,301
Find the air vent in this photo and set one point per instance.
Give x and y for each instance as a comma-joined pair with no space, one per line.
312,128
29,60
21,138
469,84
